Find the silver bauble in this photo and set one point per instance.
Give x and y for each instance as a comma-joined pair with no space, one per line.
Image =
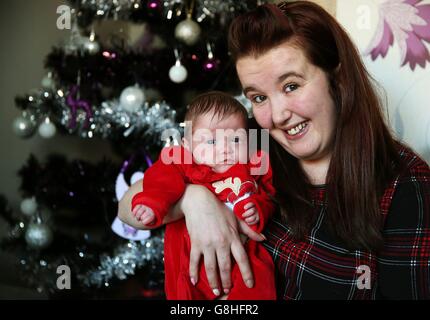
132,98
38,235
90,46
188,31
23,127
246,103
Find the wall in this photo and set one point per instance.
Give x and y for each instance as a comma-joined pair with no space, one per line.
406,89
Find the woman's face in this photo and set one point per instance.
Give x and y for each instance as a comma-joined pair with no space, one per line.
290,97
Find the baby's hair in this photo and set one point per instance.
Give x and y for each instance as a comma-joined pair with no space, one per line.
221,103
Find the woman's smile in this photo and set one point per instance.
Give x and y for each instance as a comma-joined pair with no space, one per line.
298,131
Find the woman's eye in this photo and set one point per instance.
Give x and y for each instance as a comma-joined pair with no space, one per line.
258,99
290,87
212,141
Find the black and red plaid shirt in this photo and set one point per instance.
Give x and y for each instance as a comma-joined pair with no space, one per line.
322,268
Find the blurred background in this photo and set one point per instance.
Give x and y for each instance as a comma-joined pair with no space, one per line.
87,87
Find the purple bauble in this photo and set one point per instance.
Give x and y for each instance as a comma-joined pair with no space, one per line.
211,64
153,4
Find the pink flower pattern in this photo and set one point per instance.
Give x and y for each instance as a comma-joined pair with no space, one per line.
407,23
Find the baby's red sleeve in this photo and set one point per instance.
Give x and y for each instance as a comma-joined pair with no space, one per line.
261,170
163,186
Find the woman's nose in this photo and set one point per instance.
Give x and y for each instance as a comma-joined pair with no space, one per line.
280,111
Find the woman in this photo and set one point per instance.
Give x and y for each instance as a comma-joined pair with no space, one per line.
354,203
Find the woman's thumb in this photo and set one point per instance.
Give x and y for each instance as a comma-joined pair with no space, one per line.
246,230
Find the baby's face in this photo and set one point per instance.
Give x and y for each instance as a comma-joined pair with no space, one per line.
219,143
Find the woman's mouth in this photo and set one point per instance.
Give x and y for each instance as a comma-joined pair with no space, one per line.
298,131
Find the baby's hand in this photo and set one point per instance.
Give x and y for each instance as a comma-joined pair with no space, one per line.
144,214
251,214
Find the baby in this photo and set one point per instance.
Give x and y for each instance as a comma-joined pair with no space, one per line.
214,153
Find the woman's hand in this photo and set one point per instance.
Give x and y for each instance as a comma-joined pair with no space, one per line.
214,233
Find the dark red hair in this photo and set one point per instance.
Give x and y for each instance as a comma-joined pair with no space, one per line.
364,156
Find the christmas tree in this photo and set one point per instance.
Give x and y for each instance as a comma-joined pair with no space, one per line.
129,93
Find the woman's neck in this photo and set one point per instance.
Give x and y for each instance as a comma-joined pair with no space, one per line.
316,170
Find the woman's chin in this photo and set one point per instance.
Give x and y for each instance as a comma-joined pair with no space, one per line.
304,154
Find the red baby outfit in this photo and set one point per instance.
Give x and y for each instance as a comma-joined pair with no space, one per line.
164,184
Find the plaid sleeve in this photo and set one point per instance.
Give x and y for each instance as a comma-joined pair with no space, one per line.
404,263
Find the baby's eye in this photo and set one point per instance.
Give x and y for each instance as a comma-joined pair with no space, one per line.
236,139
212,141
258,99
290,87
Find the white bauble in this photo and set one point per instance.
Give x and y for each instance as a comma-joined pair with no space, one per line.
47,81
47,129
29,206
178,73
132,98
188,31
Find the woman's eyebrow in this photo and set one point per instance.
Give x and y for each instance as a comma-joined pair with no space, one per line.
288,74
247,89
281,78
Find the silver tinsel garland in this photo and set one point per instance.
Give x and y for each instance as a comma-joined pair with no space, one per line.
108,119
153,119
121,9
225,9
41,273
125,260
111,8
